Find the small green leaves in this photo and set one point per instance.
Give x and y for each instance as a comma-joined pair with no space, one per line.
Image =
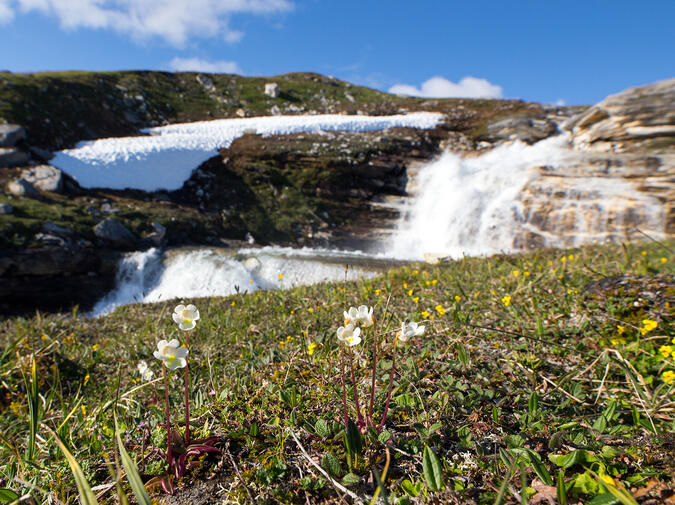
561,493
132,472
350,479
432,469
353,440
322,429
331,464
84,490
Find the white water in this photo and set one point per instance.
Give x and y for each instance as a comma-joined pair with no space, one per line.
469,205
153,275
166,157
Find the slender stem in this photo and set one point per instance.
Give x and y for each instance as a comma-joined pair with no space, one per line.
391,382
356,393
372,384
344,386
169,455
187,394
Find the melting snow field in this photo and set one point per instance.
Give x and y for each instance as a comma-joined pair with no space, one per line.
167,155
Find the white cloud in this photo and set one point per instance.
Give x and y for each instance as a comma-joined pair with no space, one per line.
440,87
176,21
6,14
197,65
560,102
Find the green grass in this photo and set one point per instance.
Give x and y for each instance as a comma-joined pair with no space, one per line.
543,396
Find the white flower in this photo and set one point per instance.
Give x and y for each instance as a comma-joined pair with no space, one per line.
349,335
363,315
171,354
412,329
185,317
144,370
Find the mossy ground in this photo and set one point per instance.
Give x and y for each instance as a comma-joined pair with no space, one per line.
557,382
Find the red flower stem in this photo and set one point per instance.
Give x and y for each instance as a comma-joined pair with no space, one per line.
372,384
169,455
391,382
344,386
187,389
356,393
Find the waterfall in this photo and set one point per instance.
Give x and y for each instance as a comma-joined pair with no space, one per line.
517,197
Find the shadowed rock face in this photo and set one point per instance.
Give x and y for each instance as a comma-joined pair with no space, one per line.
637,118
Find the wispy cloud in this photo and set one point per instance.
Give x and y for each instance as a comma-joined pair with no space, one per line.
175,21
440,87
198,65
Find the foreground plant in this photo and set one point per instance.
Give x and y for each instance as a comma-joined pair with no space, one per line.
350,336
174,356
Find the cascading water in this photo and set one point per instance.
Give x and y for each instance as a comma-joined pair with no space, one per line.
517,197
152,276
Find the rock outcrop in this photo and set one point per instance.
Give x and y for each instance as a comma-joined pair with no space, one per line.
45,178
637,118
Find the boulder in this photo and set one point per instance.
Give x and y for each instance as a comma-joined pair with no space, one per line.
10,134
45,178
21,187
521,128
55,229
206,82
6,208
637,117
12,157
115,232
272,89
157,238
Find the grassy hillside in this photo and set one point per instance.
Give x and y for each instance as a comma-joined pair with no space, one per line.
542,375
58,109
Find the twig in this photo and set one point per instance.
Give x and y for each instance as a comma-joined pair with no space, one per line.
236,469
323,472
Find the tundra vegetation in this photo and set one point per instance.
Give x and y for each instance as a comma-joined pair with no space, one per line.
543,378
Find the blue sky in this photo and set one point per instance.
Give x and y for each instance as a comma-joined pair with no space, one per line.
575,52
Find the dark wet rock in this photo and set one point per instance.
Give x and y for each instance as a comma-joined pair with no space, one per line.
11,134
111,230
12,157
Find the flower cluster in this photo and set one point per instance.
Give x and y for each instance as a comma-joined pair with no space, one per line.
356,319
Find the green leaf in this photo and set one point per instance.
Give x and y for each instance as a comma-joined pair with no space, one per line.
322,429
353,440
132,472
463,355
412,490
539,468
84,490
331,464
532,403
7,495
603,499
384,436
561,493
350,479
433,472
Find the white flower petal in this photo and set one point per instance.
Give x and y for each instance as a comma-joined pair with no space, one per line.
174,343
179,308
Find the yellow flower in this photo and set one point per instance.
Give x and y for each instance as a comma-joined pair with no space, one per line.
84,410
425,314
506,301
44,337
644,253
664,260
86,379
405,285
289,339
311,347
666,350
282,344
458,298
377,292
615,341
410,292
571,257
427,282
668,376
415,272
416,299
310,310
434,282
439,308
281,276
550,263
233,303
620,329
94,347
526,273
649,325
563,259
516,273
